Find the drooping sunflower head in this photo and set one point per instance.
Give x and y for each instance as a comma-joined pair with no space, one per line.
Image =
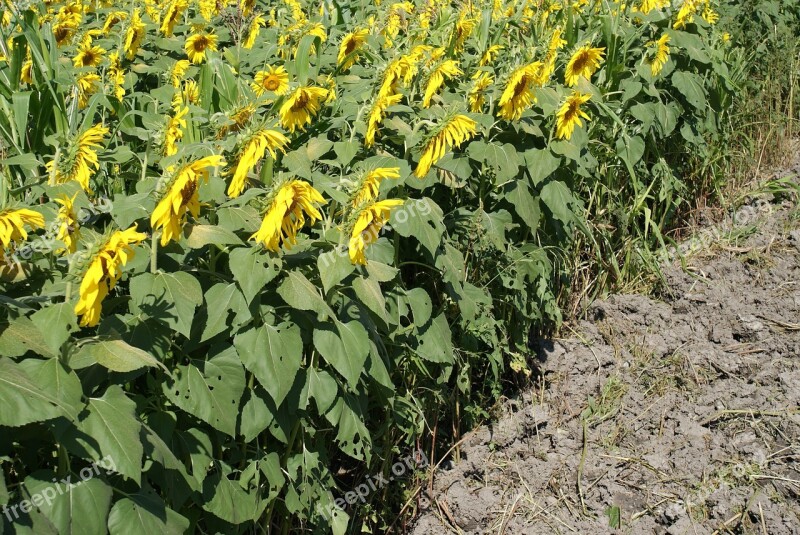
301,106
365,226
583,63
366,187
68,231
518,94
351,43
658,54
274,79
288,206
78,159
450,133
12,225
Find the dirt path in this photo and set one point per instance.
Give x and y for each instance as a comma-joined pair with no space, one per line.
676,415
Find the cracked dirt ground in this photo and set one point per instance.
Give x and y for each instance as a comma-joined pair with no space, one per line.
669,415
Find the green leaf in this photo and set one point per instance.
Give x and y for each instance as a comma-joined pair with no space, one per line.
20,336
525,205
160,452
77,507
435,342
322,387
210,390
252,269
368,291
22,400
345,348
117,356
226,499
222,299
690,85
198,236
145,514
168,297
557,197
52,377
299,293
55,322
333,268
422,219
346,151
113,432
273,355
353,437
502,159
541,164
421,305
613,513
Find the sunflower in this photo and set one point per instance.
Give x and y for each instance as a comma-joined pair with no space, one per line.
68,231
570,114
274,79
197,45
686,14
178,71
190,92
454,132
112,19
65,24
134,35
208,9
88,85
251,153
301,106
490,55
446,70
174,11
116,75
181,195
403,68
286,214
462,31
556,43
584,62
518,95
377,114
367,188
351,43
659,54
368,223
77,163
12,226
26,75
476,96
710,16
103,273
253,30
173,131
88,55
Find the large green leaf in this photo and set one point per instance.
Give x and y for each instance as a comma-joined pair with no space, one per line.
77,505
344,347
299,293
51,376
117,356
690,85
55,322
22,400
145,514
273,355
20,336
227,499
210,390
221,300
422,219
435,341
168,297
252,269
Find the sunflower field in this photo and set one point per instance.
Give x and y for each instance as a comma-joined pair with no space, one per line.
253,252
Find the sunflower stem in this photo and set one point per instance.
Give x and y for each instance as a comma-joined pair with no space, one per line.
154,252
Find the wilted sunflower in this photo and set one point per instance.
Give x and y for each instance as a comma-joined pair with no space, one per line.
584,62
351,43
134,35
454,132
658,54
366,189
79,159
444,71
112,19
301,106
400,69
686,13
253,30
26,75
65,24
181,195
88,85
198,44
490,55
174,11
103,273
274,79
518,94
476,96
116,75
12,226
68,231
377,114
251,153
88,55
173,131
286,214
178,71
466,23
570,114
368,223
